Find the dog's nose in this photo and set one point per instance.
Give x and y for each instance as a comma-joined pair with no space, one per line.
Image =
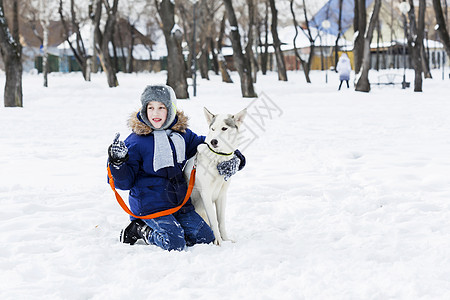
214,142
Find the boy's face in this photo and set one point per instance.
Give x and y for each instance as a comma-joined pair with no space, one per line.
156,113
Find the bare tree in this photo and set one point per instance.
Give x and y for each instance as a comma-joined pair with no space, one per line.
45,23
306,65
426,60
176,69
240,60
281,66
250,37
208,36
129,61
442,26
103,38
363,84
129,13
215,60
205,31
205,23
264,54
149,37
91,63
11,51
221,59
39,13
77,46
415,41
359,25
336,46
187,15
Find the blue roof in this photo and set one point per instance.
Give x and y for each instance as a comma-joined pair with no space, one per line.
330,12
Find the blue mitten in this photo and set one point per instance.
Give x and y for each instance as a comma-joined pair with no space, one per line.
242,159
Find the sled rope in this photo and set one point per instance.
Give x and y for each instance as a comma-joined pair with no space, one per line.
159,213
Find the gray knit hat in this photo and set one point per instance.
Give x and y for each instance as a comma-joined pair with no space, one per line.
163,94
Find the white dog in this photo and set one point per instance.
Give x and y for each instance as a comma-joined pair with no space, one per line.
210,186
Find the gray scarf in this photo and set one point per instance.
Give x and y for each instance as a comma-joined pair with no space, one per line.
163,156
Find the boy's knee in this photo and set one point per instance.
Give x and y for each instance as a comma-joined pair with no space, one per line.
173,242
172,239
205,235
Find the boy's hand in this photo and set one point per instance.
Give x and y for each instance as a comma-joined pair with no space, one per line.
117,151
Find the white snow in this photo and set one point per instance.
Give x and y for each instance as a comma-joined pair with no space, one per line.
345,194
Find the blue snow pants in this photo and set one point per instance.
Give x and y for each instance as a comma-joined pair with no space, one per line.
176,231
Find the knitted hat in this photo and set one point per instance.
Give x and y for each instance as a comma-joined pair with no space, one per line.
163,94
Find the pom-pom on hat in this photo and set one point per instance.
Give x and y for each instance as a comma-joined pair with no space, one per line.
163,94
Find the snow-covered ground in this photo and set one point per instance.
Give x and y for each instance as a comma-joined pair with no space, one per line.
345,194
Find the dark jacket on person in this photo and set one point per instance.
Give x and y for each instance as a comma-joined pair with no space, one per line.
152,191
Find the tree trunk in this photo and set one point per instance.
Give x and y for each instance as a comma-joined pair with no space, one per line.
124,57
104,38
221,59
281,66
425,63
13,85
377,62
415,39
359,24
44,20
249,47
115,57
336,46
204,32
176,69
130,58
215,62
203,62
265,54
11,51
363,84
223,69
307,65
442,27
45,68
240,61
91,62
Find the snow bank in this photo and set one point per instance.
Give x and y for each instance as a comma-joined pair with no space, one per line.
344,196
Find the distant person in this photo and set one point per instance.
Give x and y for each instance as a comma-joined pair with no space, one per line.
344,68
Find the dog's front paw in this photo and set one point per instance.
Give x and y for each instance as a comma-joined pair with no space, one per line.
218,242
225,236
230,240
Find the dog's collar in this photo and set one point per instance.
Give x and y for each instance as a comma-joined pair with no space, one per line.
219,153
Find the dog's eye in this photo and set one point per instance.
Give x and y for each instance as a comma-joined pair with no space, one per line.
212,129
224,128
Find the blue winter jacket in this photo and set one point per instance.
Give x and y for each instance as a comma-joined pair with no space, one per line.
152,191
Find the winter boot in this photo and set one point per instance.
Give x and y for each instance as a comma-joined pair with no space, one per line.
136,230
145,232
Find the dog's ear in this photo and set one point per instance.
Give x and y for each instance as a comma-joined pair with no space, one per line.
209,116
239,117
